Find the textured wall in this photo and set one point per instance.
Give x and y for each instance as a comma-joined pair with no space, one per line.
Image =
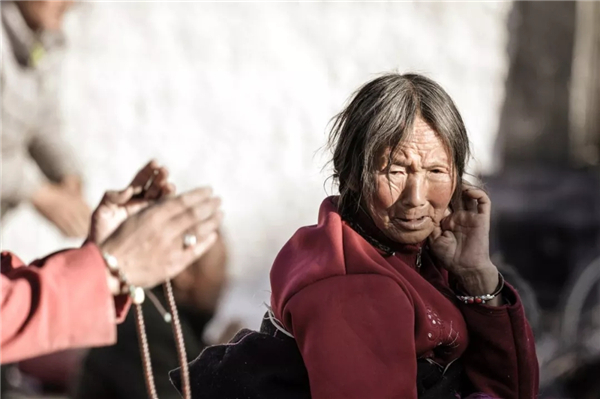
239,96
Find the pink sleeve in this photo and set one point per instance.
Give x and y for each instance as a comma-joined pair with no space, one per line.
56,303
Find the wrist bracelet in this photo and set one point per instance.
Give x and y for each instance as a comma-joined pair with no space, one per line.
136,294
480,299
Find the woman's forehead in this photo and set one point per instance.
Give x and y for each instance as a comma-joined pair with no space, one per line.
423,145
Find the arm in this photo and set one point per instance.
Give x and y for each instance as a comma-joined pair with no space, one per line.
52,153
62,201
47,145
64,304
31,155
356,336
500,359
21,177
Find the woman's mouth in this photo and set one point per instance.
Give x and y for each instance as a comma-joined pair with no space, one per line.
411,223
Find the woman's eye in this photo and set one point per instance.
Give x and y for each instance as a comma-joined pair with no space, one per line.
437,171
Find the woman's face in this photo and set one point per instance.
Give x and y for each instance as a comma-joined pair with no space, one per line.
415,196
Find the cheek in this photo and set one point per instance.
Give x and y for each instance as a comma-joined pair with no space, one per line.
387,193
440,196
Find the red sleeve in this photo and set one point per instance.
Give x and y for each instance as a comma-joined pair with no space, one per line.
356,335
57,303
500,359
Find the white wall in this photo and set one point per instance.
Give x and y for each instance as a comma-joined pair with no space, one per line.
239,96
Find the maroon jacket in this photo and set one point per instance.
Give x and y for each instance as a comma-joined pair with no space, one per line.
361,320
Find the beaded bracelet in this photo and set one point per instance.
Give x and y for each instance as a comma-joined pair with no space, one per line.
480,299
137,294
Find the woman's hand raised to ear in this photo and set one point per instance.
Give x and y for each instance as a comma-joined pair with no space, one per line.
462,243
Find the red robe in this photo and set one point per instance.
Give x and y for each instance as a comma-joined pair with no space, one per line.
59,302
361,319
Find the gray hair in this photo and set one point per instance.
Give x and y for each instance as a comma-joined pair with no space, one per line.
380,115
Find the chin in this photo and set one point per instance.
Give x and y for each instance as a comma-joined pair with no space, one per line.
411,237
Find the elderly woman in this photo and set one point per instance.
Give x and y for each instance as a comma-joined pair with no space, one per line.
396,276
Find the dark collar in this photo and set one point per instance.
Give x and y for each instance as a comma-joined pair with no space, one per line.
363,224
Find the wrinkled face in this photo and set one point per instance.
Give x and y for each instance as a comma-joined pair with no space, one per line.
45,15
414,197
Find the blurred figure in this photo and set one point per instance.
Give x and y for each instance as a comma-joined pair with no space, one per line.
36,163
116,372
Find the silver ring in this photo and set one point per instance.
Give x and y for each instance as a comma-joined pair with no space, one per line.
189,240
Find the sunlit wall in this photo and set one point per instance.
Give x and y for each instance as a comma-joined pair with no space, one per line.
239,96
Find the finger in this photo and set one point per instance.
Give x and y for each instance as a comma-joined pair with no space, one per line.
469,204
142,177
449,235
437,231
447,223
201,231
447,212
118,197
194,216
179,204
484,204
208,226
191,254
168,190
136,205
150,181
156,184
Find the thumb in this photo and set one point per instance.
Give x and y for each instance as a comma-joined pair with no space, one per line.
118,197
448,212
436,233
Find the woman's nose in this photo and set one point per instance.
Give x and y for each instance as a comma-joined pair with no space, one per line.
413,195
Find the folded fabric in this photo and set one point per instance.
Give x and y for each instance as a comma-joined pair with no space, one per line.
267,364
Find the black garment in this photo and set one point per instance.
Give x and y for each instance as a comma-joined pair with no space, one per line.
116,372
268,365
